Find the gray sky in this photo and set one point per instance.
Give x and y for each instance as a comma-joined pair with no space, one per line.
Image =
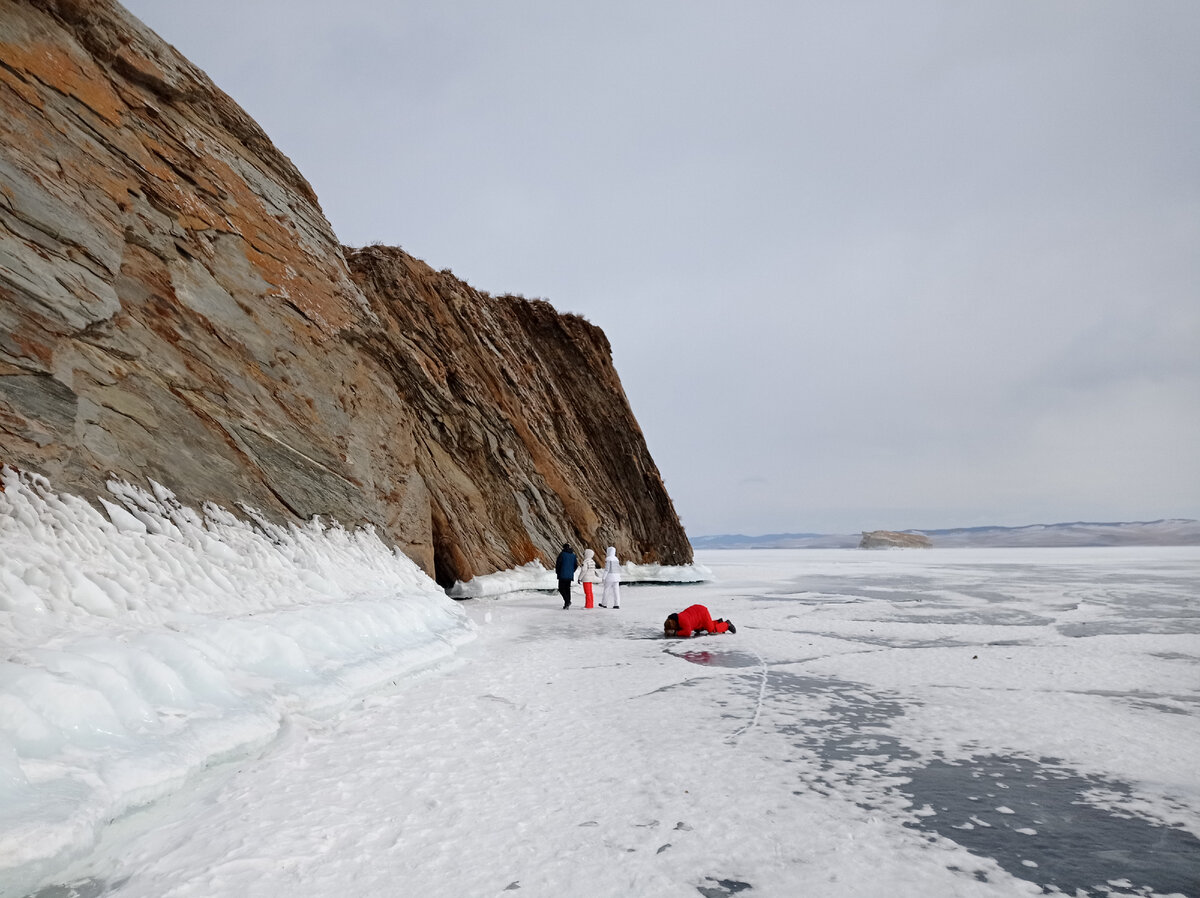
863,264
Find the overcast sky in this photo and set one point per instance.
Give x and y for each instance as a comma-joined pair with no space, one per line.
863,263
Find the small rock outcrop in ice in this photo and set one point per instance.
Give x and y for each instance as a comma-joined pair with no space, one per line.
891,539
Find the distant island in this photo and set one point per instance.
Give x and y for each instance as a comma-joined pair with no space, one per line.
1167,532
890,539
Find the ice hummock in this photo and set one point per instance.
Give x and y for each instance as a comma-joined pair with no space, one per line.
145,642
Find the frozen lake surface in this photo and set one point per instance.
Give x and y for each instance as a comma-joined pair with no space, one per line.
903,723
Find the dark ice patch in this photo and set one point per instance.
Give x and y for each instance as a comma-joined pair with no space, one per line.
1076,846
720,888
853,726
1024,812
83,888
1164,626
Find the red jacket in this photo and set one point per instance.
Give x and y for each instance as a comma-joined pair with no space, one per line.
696,617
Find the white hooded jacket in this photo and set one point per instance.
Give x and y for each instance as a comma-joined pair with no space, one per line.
587,569
612,567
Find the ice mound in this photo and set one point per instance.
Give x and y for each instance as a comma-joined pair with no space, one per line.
143,643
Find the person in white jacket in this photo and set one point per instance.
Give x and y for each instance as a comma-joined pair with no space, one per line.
588,576
612,580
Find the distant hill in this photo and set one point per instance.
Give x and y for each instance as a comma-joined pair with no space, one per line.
777,541
1169,532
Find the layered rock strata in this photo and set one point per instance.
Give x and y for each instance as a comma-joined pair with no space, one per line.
174,307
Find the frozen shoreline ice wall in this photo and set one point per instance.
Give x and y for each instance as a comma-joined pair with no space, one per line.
140,646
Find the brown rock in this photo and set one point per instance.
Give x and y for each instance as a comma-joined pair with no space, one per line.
175,307
891,539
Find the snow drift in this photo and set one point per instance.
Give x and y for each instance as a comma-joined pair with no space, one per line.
145,643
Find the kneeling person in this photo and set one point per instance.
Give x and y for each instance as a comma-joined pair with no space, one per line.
693,619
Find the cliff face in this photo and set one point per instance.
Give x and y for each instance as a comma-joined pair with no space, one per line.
522,432
174,307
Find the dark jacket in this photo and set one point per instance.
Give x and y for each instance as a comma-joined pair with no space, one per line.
565,566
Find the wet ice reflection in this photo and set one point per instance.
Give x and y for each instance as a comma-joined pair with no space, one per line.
1034,817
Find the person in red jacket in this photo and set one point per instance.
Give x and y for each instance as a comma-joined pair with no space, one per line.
693,619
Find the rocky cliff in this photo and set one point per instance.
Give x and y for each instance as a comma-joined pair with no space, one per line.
174,307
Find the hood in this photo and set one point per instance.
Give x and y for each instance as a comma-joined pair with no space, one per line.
612,552
587,553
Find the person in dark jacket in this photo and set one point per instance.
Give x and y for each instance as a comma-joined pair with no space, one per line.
564,569
693,619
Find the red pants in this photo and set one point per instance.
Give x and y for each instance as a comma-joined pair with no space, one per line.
587,594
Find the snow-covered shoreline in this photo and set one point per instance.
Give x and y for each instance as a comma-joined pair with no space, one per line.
939,724
532,577
144,643
142,646
932,722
